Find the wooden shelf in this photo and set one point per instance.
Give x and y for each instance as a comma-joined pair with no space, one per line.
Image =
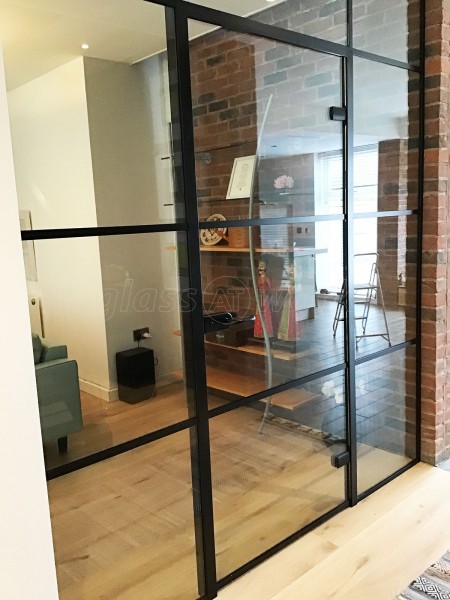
232,383
246,385
260,350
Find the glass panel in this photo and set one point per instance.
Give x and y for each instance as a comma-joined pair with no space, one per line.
386,138
91,128
327,21
271,479
298,275
245,88
387,28
385,272
125,526
385,416
90,295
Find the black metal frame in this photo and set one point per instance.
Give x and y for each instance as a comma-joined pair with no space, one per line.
178,13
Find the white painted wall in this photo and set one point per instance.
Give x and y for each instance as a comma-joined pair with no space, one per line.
88,139
127,107
50,134
26,551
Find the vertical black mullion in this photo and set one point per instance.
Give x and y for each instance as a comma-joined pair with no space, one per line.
350,23
348,278
194,355
420,231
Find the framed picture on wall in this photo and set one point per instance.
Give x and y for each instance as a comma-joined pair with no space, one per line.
240,185
29,256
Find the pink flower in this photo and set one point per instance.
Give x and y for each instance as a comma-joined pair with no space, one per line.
283,181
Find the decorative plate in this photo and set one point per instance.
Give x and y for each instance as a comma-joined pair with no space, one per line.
211,237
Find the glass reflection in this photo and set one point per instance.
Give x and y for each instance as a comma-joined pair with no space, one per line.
92,129
385,266
98,384
327,21
385,416
294,273
390,29
277,469
386,137
125,526
246,89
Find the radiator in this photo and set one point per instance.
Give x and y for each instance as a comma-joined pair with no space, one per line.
34,306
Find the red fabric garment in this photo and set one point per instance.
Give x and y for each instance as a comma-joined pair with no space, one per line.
264,287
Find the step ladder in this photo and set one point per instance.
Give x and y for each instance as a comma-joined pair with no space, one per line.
365,295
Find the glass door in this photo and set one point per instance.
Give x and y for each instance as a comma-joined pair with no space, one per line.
265,117
223,271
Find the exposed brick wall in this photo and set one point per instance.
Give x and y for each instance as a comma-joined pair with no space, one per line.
436,267
225,125
233,78
327,19
380,27
392,195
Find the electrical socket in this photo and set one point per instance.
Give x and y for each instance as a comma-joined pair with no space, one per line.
138,334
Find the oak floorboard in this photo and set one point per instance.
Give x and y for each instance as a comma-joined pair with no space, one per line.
123,528
369,552
107,424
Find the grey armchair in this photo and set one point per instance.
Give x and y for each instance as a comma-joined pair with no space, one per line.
58,392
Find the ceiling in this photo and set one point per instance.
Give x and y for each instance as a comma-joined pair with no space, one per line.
40,35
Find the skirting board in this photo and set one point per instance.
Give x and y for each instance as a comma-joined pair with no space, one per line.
113,394
98,391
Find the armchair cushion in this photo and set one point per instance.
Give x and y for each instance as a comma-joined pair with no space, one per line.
58,390
52,351
44,350
59,398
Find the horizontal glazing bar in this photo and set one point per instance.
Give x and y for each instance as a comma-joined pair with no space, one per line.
385,60
248,26
391,477
220,410
286,542
113,451
389,350
269,221
53,234
170,3
386,213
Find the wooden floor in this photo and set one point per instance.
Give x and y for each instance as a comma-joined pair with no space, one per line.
107,424
370,552
123,528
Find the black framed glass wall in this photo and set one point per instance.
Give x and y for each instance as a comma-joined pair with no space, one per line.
99,179
333,212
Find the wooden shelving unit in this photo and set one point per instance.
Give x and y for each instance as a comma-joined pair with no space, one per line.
231,383
246,385
261,351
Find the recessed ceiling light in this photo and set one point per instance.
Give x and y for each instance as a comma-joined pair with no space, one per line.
85,46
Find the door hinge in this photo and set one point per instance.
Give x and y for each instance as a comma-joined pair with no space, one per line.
338,113
340,460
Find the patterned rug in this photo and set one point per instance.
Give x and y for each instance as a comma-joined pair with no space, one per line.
434,583
327,438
